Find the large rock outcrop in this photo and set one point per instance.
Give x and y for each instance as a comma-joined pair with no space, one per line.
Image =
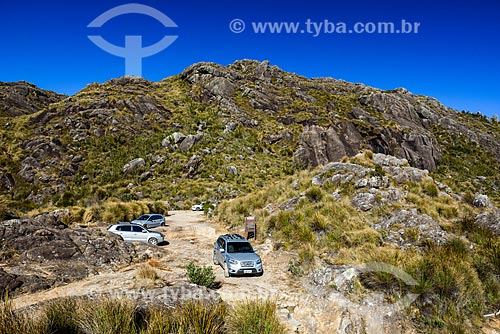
319,146
22,98
43,251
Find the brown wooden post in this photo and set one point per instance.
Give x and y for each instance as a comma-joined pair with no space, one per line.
250,227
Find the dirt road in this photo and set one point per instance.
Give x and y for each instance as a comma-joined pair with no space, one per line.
190,238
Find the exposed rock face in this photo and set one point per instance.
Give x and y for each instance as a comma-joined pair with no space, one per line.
173,139
178,140
192,167
373,189
389,160
189,142
481,201
421,150
364,201
309,121
490,220
134,165
342,173
232,170
21,98
318,146
408,227
331,309
42,251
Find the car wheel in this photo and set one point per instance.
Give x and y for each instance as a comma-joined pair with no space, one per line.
261,273
216,262
153,241
146,226
226,270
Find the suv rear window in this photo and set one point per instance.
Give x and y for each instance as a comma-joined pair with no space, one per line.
239,247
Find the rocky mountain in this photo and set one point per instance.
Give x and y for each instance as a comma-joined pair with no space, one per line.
22,98
229,128
337,174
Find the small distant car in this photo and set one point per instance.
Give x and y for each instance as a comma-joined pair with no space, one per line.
236,256
198,207
150,220
133,232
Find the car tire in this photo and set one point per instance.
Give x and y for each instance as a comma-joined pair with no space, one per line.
146,226
216,262
153,241
226,270
261,273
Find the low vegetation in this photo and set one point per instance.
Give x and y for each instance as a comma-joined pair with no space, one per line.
201,275
458,281
123,316
251,162
254,317
147,272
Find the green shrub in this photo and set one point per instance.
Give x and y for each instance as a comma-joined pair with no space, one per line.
159,320
254,317
108,316
314,194
378,171
197,317
67,199
448,279
468,197
60,316
199,275
430,188
10,322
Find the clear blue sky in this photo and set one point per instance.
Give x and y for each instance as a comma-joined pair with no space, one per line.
454,57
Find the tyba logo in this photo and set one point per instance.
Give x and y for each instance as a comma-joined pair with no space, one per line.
133,51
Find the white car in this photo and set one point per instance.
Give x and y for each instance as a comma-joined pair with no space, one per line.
150,220
133,232
198,207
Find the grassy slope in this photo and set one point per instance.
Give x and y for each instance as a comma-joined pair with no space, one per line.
247,148
457,282
462,283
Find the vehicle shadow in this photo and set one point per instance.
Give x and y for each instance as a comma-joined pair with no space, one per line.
163,243
216,285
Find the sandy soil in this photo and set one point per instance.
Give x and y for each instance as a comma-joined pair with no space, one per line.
190,238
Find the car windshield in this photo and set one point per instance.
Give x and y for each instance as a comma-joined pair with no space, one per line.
239,247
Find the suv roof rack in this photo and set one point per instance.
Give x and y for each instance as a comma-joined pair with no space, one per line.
233,236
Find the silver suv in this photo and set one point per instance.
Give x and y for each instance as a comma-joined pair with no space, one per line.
236,256
133,232
150,220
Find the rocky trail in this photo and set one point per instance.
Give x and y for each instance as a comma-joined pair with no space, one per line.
302,306
189,238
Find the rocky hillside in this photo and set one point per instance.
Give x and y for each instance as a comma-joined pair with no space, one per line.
217,132
43,252
22,98
381,247
338,174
